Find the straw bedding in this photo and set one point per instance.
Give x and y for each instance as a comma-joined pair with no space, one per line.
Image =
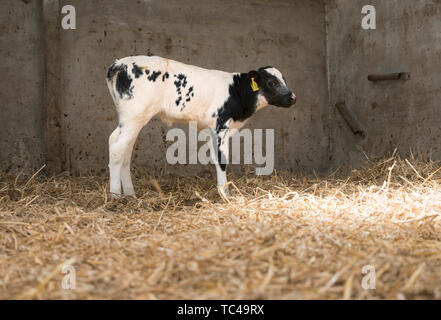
279,237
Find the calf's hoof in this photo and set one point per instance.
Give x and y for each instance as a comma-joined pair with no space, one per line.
115,196
224,192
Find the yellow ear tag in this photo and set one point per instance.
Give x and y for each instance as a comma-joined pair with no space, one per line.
254,85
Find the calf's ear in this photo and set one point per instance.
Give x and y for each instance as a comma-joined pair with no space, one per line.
254,74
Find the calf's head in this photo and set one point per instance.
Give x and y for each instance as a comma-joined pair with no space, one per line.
272,85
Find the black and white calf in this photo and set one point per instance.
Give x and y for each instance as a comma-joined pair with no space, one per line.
143,87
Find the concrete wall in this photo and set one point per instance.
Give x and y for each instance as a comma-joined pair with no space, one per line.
229,35
21,86
402,114
234,36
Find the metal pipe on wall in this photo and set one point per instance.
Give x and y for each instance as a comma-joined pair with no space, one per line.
351,120
389,76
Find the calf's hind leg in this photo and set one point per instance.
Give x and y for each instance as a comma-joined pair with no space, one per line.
121,144
115,162
126,178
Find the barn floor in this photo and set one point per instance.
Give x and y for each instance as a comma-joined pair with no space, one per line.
279,238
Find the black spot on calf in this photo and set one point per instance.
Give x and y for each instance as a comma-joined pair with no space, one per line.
165,76
189,94
181,80
137,71
154,75
124,82
112,71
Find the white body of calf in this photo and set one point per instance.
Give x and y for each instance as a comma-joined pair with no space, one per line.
143,87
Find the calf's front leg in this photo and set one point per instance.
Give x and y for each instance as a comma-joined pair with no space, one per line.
219,152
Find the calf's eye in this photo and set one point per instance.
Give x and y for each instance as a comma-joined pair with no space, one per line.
272,84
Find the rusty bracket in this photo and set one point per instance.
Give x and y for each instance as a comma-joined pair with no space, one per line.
389,76
351,120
